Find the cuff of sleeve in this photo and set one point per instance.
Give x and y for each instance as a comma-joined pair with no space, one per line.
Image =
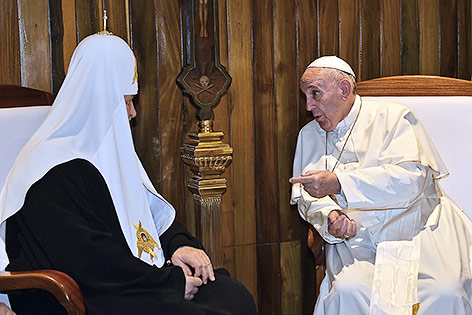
348,190
319,220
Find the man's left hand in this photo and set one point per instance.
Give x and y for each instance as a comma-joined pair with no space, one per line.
196,258
318,183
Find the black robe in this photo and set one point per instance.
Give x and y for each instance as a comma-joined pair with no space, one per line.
68,223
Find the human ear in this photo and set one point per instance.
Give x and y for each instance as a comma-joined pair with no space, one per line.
345,88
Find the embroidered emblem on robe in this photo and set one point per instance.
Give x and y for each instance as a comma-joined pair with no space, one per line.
145,241
415,309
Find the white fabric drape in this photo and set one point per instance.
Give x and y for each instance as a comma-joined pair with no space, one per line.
89,120
388,174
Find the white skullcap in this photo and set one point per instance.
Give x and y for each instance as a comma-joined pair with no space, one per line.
332,62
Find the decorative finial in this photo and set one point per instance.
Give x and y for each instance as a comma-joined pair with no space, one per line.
105,18
104,31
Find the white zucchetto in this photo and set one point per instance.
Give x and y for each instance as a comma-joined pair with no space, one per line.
333,62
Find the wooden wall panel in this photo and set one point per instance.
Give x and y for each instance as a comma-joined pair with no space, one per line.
242,115
57,47
291,274
223,123
328,27
448,37
286,92
410,58
88,17
265,122
307,48
10,66
34,45
464,51
429,28
242,139
349,33
117,21
391,38
170,100
190,124
69,40
370,42
146,131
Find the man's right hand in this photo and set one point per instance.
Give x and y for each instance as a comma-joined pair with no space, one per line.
340,226
191,286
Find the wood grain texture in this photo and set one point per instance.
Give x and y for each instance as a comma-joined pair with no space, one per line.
170,103
146,131
268,263
190,123
61,286
17,96
291,274
57,48
328,27
429,28
222,123
448,37
410,55
242,141
350,33
464,50
117,20
265,123
391,37
34,45
69,41
10,66
307,49
242,121
88,17
286,88
247,269
420,85
370,55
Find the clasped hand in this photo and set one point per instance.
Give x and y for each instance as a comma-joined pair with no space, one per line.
340,226
323,183
186,257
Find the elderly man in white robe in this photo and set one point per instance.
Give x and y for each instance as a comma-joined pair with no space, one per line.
365,176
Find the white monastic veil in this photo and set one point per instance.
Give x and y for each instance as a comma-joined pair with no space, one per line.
88,120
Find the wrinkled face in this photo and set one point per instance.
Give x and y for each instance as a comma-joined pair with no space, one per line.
324,98
130,106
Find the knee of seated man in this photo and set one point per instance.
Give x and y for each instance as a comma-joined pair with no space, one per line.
351,282
449,288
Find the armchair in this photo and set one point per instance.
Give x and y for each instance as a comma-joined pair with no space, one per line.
21,112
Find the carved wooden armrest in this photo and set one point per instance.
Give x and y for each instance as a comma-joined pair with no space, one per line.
66,291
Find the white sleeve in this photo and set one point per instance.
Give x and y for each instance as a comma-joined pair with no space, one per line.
383,187
315,211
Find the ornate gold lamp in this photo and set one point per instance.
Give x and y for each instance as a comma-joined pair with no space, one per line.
204,80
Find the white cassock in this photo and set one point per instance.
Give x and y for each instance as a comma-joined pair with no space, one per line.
413,244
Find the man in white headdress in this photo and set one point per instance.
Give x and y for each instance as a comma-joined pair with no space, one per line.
78,200
365,176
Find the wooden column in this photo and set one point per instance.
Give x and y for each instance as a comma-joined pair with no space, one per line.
204,80
207,156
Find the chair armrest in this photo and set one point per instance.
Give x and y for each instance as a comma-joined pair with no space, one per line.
66,291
